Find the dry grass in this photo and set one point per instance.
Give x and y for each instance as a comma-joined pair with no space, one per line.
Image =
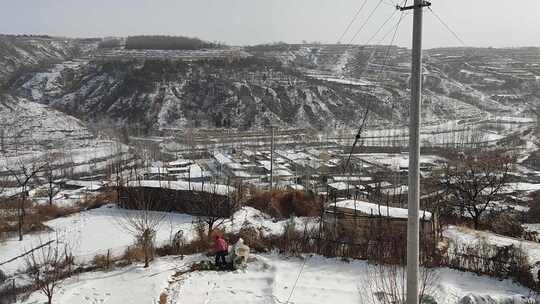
37,215
48,212
96,201
133,254
284,203
104,262
163,298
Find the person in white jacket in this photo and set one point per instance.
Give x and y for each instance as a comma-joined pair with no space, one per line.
240,253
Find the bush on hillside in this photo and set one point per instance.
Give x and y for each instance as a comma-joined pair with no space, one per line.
506,225
284,203
159,42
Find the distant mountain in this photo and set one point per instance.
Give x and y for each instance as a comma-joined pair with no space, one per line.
317,86
20,55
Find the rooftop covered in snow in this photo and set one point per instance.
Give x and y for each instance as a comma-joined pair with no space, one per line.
184,186
370,208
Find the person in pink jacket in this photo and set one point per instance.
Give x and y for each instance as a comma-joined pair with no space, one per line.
221,249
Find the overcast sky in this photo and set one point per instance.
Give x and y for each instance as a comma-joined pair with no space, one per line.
496,23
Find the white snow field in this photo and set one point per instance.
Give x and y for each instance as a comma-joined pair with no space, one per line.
90,233
267,279
468,236
132,284
97,231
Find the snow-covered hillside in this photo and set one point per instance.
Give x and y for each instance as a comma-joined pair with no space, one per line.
100,230
31,131
32,52
320,86
268,279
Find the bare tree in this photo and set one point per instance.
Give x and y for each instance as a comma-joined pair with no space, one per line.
50,174
2,139
3,184
473,182
142,223
216,207
433,199
48,266
386,284
23,174
116,168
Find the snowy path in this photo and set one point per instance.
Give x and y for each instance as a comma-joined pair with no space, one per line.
133,284
269,279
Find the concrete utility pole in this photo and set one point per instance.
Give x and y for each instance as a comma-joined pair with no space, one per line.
413,223
272,160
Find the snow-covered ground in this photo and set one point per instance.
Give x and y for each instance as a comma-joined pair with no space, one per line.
50,81
96,231
466,236
267,279
270,279
184,186
132,284
90,233
393,160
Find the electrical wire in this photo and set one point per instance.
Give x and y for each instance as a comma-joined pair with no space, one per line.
447,27
366,114
366,21
389,46
388,2
297,278
352,21
392,29
381,27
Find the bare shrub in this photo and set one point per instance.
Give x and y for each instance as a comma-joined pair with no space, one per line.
284,203
214,210
386,284
533,215
163,298
498,261
48,212
48,266
252,236
187,248
474,181
506,224
133,254
96,201
142,224
24,173
104,261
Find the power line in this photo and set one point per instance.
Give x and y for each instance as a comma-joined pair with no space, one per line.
390,45
352,20
366,21
297,278
388,2
366,114
380,28
393,28
447,27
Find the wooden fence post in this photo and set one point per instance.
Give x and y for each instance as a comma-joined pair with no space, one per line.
14,291
108,258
